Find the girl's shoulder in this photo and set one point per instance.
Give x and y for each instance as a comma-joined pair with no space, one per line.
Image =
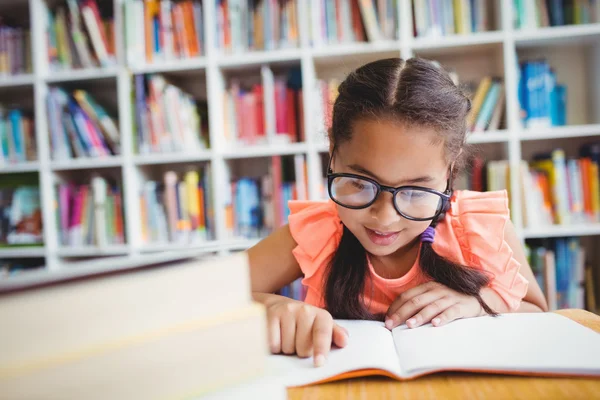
475,222
317,231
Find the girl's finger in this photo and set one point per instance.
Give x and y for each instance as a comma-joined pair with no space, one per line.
409,294
340,336
430,311
304,324
322,331
450,314
288,333
413,306
274,331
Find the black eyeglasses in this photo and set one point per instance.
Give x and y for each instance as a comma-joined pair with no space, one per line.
415,203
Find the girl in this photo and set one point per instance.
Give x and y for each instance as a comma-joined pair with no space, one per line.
394,243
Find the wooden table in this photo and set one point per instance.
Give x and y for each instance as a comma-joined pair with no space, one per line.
462,385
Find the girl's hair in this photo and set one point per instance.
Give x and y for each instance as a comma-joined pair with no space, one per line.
415,92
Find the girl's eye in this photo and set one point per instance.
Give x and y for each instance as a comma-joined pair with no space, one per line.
358,184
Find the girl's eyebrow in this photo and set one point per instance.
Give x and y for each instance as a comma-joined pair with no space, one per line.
412,181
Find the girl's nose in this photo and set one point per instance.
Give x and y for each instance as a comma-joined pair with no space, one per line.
383,210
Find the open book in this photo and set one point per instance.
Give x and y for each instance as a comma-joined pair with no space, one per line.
521,344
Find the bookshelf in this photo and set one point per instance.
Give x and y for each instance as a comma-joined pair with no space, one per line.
208,76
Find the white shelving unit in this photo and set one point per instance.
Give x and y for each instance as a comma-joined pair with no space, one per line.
473,56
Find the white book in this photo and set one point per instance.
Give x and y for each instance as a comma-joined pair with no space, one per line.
99,188
517,344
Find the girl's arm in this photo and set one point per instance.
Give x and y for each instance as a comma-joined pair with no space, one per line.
534,300
272,264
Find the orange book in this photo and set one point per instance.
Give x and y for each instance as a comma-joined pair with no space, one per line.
483,345
151,11
584,165
201,211
119,225
190,29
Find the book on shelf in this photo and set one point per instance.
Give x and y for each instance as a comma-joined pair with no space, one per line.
487,105
179,209
531,14
559,266
244,25
81,35
80,127
351,21
17,137
269,111
435,18
15,49
514,344
163,30
257,206
166,118
295,290
542,99
20,210
561,190
90,214
148,329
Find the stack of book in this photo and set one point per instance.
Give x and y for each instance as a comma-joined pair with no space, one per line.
487,105
269,112
15,50
163,30
79,126
90,214
167,119
257,206
562,190
17,137
562,272
156,327
81,36
531,14
542,99
20,210
442,17
179,209
244,25
348,21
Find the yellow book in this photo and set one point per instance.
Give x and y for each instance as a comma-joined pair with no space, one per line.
478,99
191,183
547,166
458,17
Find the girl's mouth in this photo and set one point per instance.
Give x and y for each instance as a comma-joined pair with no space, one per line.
381,238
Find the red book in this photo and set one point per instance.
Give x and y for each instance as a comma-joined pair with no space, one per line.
281,123
292,124
257,92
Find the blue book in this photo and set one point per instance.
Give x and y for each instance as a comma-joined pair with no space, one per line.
156,24
558,100
16,118
573,250
562,271
557,16
473,15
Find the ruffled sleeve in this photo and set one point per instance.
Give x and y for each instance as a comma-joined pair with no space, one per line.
476,223
317,230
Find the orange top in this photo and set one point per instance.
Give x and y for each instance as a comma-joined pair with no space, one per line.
472,234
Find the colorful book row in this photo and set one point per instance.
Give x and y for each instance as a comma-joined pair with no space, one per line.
167,119
542,99
531,14
79,126
90,214
487,106
244,25
347,21
163,30
434,18
179,209
559,267
15,50
79,36
248,107
561,190
257,206
17,137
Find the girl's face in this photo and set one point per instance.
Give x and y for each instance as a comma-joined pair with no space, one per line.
393,155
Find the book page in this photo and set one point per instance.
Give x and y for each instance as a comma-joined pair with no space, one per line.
370,345
536,342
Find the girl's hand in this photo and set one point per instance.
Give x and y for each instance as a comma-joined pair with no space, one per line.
296,327
431,302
